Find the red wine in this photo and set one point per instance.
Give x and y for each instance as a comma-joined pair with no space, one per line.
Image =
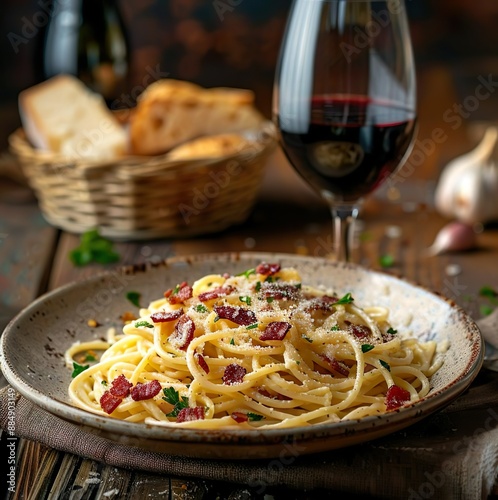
349,145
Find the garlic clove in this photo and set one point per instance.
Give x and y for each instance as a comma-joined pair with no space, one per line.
454,237
468,185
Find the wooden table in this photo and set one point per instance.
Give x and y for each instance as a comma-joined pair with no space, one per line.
291,219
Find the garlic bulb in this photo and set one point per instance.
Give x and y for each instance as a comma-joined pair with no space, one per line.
468,186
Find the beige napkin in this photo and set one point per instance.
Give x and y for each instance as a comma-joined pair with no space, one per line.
449,455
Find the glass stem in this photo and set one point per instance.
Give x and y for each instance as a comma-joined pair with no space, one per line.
344,218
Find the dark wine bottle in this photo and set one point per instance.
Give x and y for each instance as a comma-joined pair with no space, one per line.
88,39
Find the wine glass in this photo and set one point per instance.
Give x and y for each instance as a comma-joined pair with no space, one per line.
344,100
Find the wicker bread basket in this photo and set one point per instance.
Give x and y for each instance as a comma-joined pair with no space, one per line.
147,197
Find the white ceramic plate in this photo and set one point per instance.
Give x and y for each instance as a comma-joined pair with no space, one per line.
33,344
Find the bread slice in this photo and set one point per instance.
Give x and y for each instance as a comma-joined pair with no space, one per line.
212,146
171,112
63,116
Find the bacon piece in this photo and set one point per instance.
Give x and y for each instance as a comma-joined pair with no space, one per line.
395,397
268,269
109,403
336,365
239,417
165,316
120,387
216,293
276,330
201,362
323,303
180,294
280,291
361,332
189,414
234,374
141,392
184,333
237,315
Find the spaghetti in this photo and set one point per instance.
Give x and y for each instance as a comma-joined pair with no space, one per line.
256,350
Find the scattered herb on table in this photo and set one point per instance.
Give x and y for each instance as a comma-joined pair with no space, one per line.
386,261
77,369
134,298
93,248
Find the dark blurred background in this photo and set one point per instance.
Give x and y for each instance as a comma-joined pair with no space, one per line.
235,43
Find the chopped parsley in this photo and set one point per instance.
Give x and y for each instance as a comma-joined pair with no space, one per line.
258,286
217,318
252,327
489,292
254,417
247,273
485,310
93,248
201,308
232,341
144,323
172,397
90,357
246,299
77,369
104,382
270,299
392,331
367,347
305,337
385,365
335,328
347,299
134,298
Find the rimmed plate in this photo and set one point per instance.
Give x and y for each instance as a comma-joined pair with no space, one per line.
32,347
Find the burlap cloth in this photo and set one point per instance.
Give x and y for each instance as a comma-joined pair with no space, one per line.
451,454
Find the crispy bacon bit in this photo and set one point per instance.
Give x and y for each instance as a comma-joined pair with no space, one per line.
323,303
280,291
141,392
180,294
361,332
165,316
268,269
109,403
201,362
395,397
189,414
337,366
120,387
184,333
237,315
234,374
216,293
276,330
239,417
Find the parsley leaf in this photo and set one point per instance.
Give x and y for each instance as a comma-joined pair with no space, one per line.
254,417
93,248
134,298
232,341
487,291
252,327
392,331
246,299
143,323
385,365
90,357
247,273
367,347
258,286
77,369
335,328
172,397
201,308
307,338
485,310
347,299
